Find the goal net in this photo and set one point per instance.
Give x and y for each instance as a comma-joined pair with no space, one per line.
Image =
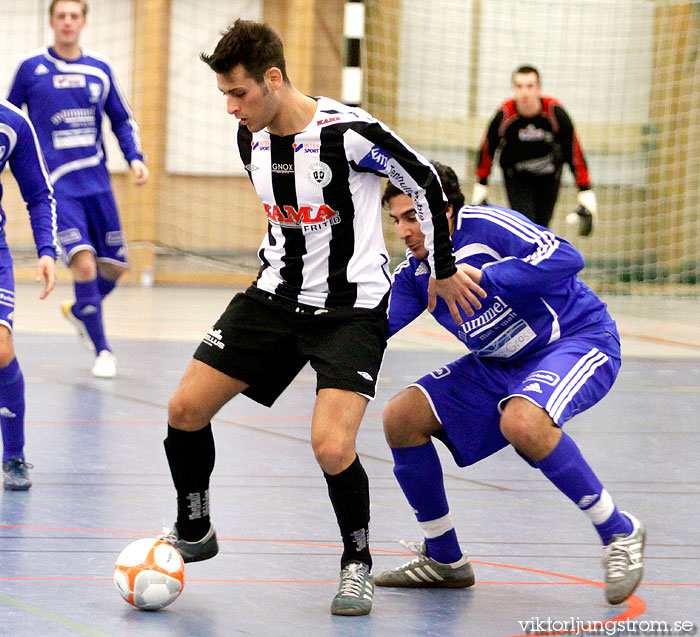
627,71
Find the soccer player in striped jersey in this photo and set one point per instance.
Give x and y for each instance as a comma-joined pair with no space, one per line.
19,147
535,137
321,293
542,348
67,91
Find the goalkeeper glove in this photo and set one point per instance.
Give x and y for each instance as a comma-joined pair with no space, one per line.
586,213
479,195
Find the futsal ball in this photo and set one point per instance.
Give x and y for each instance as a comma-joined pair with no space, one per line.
149,574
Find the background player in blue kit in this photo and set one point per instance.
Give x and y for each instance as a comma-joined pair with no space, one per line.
542,349
67,91
20,147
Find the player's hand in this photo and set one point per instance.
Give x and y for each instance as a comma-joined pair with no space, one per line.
473,273
46,272
586,214
459,290
140,171
479,195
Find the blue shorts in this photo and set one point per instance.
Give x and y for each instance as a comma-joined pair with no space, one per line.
7,289
565,378
90,223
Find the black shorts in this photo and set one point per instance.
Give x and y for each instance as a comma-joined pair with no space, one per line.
265,340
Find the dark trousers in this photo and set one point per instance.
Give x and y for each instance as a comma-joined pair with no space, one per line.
533,195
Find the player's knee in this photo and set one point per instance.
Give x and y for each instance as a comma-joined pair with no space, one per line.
111,271
184,414
395,422
6,357
408,421
516,428
83,266
7,349
332,454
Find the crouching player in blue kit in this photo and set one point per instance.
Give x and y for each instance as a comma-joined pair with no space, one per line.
19,146
543,348
68,91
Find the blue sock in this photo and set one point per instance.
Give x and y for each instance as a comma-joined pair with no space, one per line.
570,473
88,308
12,411
105,286
419,473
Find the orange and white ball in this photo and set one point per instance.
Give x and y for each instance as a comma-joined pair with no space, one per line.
149,574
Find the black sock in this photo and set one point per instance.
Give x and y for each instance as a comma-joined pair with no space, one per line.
191,458
349,493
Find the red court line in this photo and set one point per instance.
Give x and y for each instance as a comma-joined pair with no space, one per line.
255,419
658,339
635,605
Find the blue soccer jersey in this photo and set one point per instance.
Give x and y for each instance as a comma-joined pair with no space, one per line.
19,147
530,277
66,101
541,333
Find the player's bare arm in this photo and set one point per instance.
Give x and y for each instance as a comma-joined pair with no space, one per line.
46,272
458,290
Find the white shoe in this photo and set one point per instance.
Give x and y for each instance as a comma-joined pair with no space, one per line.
105,365
623,562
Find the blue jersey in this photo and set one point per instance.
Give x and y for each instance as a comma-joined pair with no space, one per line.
530,276
66,101
19,147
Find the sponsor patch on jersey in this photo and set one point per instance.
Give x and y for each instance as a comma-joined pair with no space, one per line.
69,80
95,91
489,317
282,168
531,134
543,376
328,120
307,217
264,145
307,147
375,159
76,117
440,372
114,238
76,138
320,174
66,237
508,343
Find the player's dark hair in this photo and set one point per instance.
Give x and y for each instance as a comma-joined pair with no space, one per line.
526,69
83,6
253,45
450,185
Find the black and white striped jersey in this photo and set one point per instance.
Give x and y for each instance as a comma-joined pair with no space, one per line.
321,190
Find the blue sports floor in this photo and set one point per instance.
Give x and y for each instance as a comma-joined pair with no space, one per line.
101,480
